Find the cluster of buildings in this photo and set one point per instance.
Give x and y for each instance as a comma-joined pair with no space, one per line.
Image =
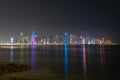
56,39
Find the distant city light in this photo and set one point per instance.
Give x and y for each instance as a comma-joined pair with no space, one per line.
65,33
83,41
100,42
11,39
33,37
62,39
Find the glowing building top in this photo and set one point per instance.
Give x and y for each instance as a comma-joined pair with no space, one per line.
33,37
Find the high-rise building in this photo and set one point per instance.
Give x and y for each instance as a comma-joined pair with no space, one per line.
92,41
33,38
66,38
83,41
11,39
74,39
103,40
71,39
21,38
61,39
80,40
48,40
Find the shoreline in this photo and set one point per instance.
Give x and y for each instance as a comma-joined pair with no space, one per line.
7,68
29,46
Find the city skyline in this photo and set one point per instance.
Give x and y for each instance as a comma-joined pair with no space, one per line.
87,18
61,39
33,35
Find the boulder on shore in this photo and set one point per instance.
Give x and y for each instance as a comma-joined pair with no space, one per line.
6,68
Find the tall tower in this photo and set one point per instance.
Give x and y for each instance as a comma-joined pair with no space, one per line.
21,38
83,41
66,38
103,40
33,37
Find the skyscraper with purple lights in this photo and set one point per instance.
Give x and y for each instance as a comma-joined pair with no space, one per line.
33,37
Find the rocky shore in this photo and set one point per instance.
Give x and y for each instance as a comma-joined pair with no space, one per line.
9,68
14,71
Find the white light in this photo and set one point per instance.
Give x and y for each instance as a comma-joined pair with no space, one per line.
65,33
89,42
12,39
100,42
83,41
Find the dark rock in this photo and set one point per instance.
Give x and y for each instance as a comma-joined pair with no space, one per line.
6,68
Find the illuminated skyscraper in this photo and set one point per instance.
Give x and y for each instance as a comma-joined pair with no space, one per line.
92,41
56,38
11,39
21,37
61,39
89,42
83,41
33,37
26,39
103,40
66,38
100,42
48,41
97,41
74,39
71,39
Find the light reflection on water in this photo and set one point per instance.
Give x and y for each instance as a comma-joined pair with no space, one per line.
21,54
11,54
102,58
32,56
84,62
75,60
66,61
88,57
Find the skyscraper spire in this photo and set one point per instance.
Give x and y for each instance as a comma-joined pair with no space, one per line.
33,37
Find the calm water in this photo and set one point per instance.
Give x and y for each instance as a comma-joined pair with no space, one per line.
84,62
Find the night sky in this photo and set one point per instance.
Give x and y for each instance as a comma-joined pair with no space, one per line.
98,18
